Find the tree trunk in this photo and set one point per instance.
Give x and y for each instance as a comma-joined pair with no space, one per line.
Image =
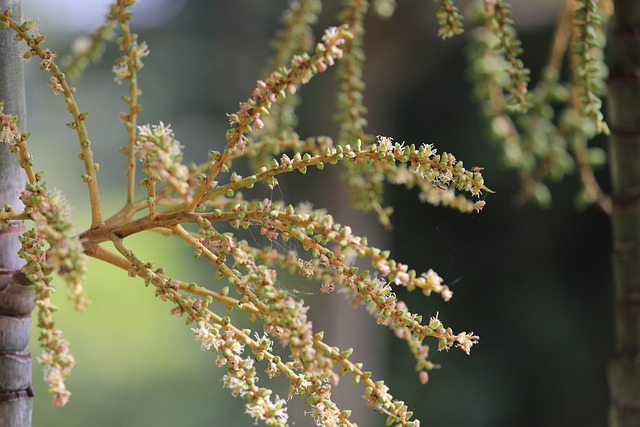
16,302
624,111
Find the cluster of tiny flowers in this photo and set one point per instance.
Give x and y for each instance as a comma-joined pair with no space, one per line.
388,268
437,196
207,336
419,350
29,32
303,68
447,338
498,18
435,282
54,84
69,256
121,72
263,409
57,365
383,303
10,133
429,193
588,65
140,51
121,69
285,318
435,169
223,338
51,213
46,248
556,114
351,111
366,183
55,357
442,171
378,397
333,38
295,36
241,375
47,59
449,19
325,415
530,139
161,155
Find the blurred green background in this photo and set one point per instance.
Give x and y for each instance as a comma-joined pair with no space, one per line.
534,284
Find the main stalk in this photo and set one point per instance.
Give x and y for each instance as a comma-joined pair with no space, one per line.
624,147
16,302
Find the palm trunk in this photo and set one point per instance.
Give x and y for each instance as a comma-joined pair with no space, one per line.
16,302
624,111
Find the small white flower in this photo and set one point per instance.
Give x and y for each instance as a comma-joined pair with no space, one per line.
433,280
206,337
329,34
121,72
141,50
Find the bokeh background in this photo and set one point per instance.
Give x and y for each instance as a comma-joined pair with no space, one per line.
534,284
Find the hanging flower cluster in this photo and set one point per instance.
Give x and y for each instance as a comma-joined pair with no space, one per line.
49,247
544,131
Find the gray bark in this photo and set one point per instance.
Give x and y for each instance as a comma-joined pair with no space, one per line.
16,302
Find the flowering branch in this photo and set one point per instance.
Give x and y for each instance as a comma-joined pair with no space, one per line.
59,84
550,139
449,19
498,14
46,248
587,68
127,68
303,68
190,204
